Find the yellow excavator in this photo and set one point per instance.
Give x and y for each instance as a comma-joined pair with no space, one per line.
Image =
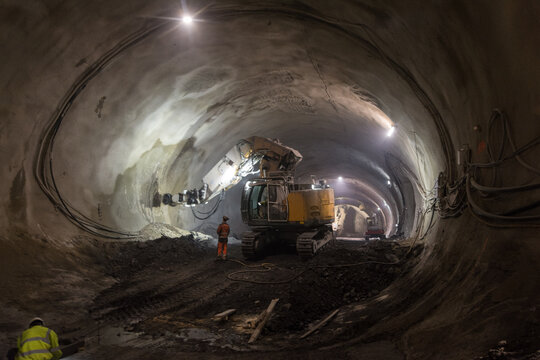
274,206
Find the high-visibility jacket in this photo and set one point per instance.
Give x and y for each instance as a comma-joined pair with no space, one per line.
38,343
223,230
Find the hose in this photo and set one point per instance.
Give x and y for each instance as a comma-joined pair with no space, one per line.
500,114
508,217
489,215
494,189
267,267
207,215
515,153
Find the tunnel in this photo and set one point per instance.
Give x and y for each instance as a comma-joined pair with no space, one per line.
424,115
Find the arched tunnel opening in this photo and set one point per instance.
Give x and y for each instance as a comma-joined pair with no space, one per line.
422,117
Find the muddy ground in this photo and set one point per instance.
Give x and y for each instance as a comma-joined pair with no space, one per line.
167,292
157,299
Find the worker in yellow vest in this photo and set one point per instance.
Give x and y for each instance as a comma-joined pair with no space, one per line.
38,343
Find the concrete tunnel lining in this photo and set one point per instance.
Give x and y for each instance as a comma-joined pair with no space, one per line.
275,95
313,83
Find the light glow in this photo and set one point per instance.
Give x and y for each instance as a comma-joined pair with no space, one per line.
228,175
186,19
391,131
340,178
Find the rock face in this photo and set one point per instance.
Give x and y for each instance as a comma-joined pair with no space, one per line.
108,105
351,221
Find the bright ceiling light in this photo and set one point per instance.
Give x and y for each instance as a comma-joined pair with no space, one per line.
389,183
340,178
186,19
391,131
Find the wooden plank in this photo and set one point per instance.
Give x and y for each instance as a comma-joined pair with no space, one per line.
253,323
224,315
320,324
263,322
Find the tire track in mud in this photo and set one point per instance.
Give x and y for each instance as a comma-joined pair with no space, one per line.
156,295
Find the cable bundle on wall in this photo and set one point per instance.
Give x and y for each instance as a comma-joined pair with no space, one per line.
508,217
43,162
451,198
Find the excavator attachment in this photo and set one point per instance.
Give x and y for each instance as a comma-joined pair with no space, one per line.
249,156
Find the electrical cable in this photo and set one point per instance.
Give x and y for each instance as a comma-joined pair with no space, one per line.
487,214
502,115
506,218
515,153
201,215
267,267
500,189
43,161
503,225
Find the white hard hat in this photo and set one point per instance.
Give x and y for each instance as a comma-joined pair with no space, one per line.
37,319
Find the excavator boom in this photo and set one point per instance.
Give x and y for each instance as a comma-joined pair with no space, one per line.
249,156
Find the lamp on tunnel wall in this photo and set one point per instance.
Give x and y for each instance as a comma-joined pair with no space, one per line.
187,19
340,178
391,131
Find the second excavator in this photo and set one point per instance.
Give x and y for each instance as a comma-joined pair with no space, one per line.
274,206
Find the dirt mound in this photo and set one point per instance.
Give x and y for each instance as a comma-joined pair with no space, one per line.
126,259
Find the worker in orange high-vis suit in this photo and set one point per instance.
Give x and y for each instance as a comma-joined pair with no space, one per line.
38,343
223,231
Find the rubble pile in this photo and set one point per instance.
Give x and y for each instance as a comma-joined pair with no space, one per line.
128,258
175,286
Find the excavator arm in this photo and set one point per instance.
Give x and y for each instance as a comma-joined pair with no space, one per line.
249,156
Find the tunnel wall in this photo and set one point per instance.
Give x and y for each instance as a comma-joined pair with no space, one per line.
469,57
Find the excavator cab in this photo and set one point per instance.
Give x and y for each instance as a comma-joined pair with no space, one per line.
265,202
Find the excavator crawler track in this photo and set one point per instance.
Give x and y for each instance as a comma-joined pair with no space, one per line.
308,243
251,245
305,245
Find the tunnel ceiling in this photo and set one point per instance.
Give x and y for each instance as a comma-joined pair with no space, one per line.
163,111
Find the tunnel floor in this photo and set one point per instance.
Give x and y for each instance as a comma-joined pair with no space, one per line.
167,292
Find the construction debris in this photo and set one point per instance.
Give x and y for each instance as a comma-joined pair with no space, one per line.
320,324
252,323
190,303
224,315
265,318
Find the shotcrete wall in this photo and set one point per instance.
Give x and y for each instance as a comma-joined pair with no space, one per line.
326,79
